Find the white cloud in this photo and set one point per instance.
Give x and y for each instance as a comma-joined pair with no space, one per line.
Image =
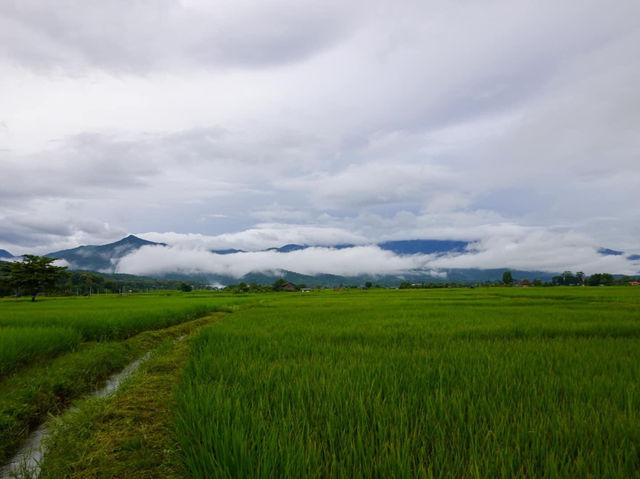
540,250
315,260
515,248
264,236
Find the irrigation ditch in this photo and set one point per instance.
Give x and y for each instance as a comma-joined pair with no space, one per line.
26,462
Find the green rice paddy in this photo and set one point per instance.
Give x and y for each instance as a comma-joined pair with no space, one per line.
462,383
497,382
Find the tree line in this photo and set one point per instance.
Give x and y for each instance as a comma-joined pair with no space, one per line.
36,275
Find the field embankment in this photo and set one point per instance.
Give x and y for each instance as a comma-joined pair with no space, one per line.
129,434
49,355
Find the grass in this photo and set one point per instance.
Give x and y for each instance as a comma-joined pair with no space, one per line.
461,383
130,434
40,389
105,317
32,331
57,349
19,346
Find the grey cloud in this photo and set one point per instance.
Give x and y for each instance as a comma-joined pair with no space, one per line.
134,36
38,232
385,120
376,183
83,165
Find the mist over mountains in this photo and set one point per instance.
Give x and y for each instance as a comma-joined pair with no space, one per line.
385,263
103,258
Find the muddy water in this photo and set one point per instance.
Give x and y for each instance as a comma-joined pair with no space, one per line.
26,462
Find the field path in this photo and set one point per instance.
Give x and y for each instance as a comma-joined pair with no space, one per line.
128,434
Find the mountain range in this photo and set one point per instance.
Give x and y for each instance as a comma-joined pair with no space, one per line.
101,257
398,247
105,258
4,254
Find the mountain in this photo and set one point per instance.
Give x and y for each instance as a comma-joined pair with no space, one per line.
610,252
462,276
101,257
424,246
227,251
288,248
403,247
5,254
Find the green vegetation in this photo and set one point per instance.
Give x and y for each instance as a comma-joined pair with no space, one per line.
22,345
130,434
57,349
48,388
32,275
432,383
484,382
48,328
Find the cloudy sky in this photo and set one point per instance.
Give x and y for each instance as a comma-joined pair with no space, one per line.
253,124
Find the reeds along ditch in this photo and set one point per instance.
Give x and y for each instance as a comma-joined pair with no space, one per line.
387,385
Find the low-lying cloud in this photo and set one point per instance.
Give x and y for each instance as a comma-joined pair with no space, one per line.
535,250
312,261
263,236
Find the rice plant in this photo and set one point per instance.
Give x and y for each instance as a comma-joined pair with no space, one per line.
482,383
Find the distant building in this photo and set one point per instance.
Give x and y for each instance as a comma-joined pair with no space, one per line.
634,283
289,287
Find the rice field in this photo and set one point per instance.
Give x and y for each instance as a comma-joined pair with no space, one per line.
426,383
21,345
57,349
497,382
54,325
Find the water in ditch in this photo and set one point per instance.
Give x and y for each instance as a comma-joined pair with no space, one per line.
26,462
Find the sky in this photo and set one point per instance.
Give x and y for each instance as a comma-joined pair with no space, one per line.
246,124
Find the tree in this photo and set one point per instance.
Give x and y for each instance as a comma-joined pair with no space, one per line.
186,287
33,274
507,278
600,279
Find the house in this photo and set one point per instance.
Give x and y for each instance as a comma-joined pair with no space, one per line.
634,283
289,287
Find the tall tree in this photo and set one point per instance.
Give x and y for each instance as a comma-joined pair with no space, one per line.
507,277
32,275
